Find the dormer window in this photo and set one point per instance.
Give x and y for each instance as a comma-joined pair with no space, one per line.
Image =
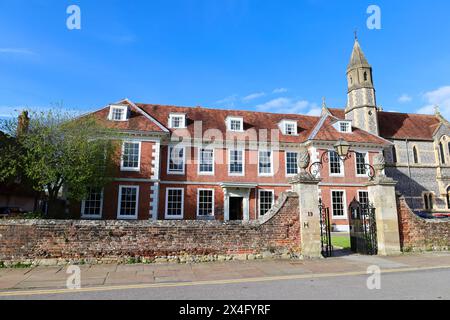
235,124
177,121
343,126
289,127
118,113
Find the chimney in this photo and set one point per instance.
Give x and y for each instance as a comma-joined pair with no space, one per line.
23,123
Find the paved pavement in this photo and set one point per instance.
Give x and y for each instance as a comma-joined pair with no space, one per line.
407,276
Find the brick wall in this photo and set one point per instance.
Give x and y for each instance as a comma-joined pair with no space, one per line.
33,240
418,234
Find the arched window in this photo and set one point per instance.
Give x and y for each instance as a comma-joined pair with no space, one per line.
442,153
448,148
415,155
425,201
365,76
394,154
428,201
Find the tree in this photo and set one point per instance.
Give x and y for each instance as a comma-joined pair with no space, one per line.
59,154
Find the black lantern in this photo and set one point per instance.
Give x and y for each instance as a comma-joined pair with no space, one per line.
342,148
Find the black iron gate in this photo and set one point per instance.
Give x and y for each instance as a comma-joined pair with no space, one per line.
325,230
363,228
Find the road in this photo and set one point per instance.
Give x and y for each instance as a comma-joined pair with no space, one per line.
395,284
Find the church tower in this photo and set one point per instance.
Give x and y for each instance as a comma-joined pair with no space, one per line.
361,104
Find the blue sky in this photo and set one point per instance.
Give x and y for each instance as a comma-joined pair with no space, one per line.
282,56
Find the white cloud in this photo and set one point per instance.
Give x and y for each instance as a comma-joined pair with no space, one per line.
439,97
315,111
228,102
16,51
280,90
405,98
289,106
253,96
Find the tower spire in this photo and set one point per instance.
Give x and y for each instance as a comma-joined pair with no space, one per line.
358,58
361,106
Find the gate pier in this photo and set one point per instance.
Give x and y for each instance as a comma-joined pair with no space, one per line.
382,195
307,187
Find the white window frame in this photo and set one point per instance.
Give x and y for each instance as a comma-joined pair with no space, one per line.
91,216
234,174
285,163
338,126
206,173
284,125
366,191
127,169
241,121
168,160
177,217
198,203
259,199
345,216
341,164
366,161
124,114
271,164
344,127
119,201
182,122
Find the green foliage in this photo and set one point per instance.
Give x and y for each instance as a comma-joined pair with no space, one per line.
21,265
33,215
9,159
133,260
18,265
58,151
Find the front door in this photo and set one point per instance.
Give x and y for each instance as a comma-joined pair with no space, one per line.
236,208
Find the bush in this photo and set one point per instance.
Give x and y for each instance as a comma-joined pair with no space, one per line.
33,215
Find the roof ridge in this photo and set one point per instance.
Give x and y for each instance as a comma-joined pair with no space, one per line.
395,112
145,114
317,127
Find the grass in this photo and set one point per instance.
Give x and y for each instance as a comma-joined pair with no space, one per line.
341,242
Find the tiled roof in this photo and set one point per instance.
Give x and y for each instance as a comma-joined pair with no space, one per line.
328,133
154,118
137,121
407,126
394,125
215,119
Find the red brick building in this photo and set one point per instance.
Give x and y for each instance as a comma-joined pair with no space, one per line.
198,163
